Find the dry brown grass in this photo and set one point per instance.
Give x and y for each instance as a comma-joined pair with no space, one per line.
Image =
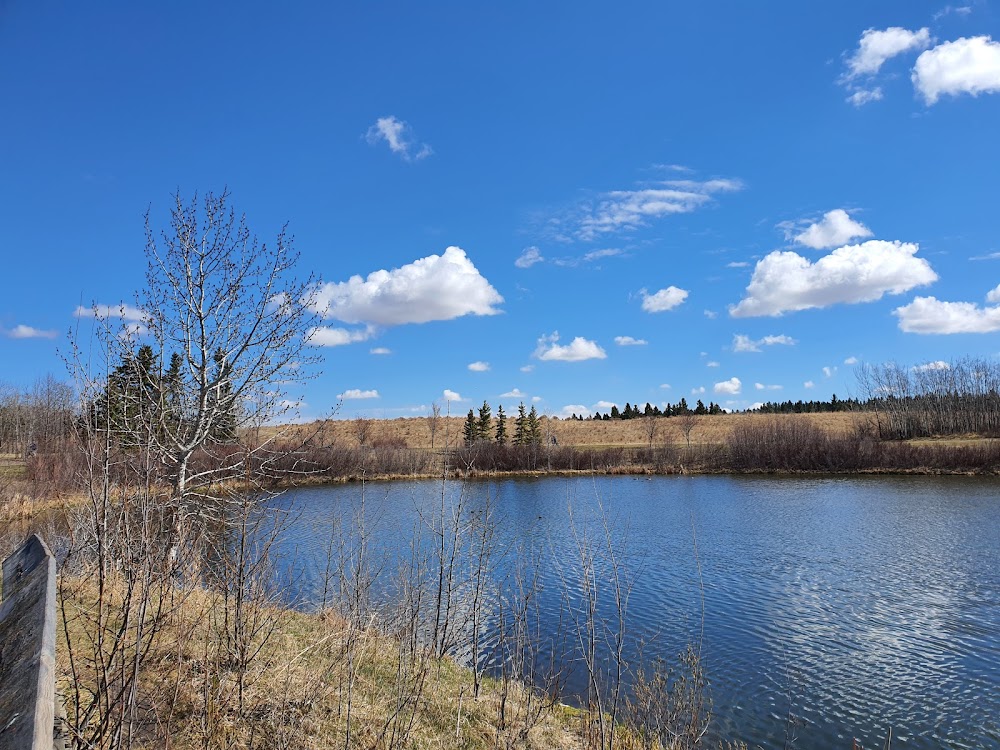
297,690
714,430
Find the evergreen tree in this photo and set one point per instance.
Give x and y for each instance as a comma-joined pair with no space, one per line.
615,414
501,434
682,407
534,428
224,429
484,425
470,431
700,409
521,426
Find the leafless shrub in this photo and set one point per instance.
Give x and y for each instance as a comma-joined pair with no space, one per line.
933,399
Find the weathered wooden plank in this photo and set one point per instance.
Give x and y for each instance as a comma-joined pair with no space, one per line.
28,648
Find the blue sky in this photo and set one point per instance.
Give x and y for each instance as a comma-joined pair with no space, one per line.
570,204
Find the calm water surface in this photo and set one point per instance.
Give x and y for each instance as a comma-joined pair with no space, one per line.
834,607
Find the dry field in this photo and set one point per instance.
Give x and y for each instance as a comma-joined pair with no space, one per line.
416,431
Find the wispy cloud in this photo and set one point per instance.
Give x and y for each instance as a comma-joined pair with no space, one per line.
399,136
629,341
628,210
102,312
479,366
323,336
959,10
876,47
380,350
743,343
529,257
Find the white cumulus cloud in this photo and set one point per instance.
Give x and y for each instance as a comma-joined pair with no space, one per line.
514,393
993,295
529,257
570,409
629,341
479,366
875,47
438,287
851,361
450,395
27,332
399,136
834,229
357,393
731,386
785,281
698,391
931,315
970,65
808,384
663,300
577,350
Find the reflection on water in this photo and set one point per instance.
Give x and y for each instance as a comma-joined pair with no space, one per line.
834,607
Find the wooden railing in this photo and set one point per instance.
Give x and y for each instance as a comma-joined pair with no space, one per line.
28,710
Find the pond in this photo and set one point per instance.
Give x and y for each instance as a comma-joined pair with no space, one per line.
826,608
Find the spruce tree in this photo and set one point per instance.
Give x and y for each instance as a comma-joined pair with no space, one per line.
470,431
224,430
534,428
521,426
484,425
501,435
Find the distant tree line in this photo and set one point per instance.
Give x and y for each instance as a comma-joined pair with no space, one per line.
681,408
809,407
481,428
36,419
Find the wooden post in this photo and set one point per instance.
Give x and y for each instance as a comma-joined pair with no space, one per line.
28,648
